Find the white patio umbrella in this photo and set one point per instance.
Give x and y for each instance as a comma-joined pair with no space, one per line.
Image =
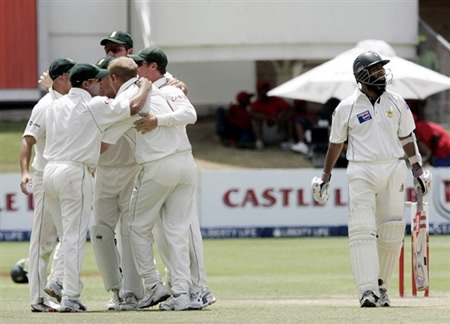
335,77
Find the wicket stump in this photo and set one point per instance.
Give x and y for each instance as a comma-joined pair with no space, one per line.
401,268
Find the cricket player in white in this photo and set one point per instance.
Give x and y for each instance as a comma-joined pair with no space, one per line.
75,125
114,181
43,234
152,63
378,126
165,187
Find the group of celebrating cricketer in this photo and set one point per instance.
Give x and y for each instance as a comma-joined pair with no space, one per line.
110,139
130,133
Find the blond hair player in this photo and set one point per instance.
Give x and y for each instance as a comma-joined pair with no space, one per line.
75,125
378,126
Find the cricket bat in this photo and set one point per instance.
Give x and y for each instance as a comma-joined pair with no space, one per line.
420,242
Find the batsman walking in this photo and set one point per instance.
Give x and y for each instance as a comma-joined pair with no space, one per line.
378,126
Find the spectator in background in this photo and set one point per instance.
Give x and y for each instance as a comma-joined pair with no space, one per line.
234,125
304,120
326,113
239,121
271,117
436,139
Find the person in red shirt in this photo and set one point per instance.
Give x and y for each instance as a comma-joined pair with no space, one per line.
436,139
270,113
240,122
234,125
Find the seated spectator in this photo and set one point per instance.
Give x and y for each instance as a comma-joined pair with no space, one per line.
436,139
304,120
234,125
271,117
239,121
326,113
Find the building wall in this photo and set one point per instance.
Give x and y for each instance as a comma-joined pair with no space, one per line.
213,46
18,52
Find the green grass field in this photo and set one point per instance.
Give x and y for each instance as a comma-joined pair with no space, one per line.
304,280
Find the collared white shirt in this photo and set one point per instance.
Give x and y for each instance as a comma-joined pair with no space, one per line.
372,131
183,113
75,125
36,127
160,142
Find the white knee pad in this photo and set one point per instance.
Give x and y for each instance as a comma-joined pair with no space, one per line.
390,238
363,248
106,256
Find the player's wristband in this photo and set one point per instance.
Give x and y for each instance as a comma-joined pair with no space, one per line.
415,159
417,172
326,177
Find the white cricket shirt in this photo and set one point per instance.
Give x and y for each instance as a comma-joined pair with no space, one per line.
75,125
36,127
183,113
160,142
372,131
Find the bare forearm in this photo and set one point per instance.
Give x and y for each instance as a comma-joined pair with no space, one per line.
334,150
25,155
138,101
24,160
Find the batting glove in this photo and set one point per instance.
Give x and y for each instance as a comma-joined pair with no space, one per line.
320,188
422,181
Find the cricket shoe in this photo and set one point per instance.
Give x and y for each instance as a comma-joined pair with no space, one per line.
54,289
384,298
129,302
114,302
71,305
203,298
42,308
179,302
153,296
369,299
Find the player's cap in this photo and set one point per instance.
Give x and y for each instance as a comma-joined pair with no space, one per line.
243,96
151,54
82,72
119,37
59,67
104,62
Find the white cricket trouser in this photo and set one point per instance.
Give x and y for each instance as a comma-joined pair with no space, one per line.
380,185
198,272
199,281
165,187
42,243
112,194
376,191
68,191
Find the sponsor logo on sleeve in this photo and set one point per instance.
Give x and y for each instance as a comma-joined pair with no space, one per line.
178,97
364,116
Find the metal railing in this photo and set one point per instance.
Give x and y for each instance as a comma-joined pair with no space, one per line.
434,53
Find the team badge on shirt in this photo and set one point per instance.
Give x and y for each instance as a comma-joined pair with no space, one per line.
364,116
390,112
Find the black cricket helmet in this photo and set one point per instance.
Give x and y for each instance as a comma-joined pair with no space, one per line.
19,273
362,64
